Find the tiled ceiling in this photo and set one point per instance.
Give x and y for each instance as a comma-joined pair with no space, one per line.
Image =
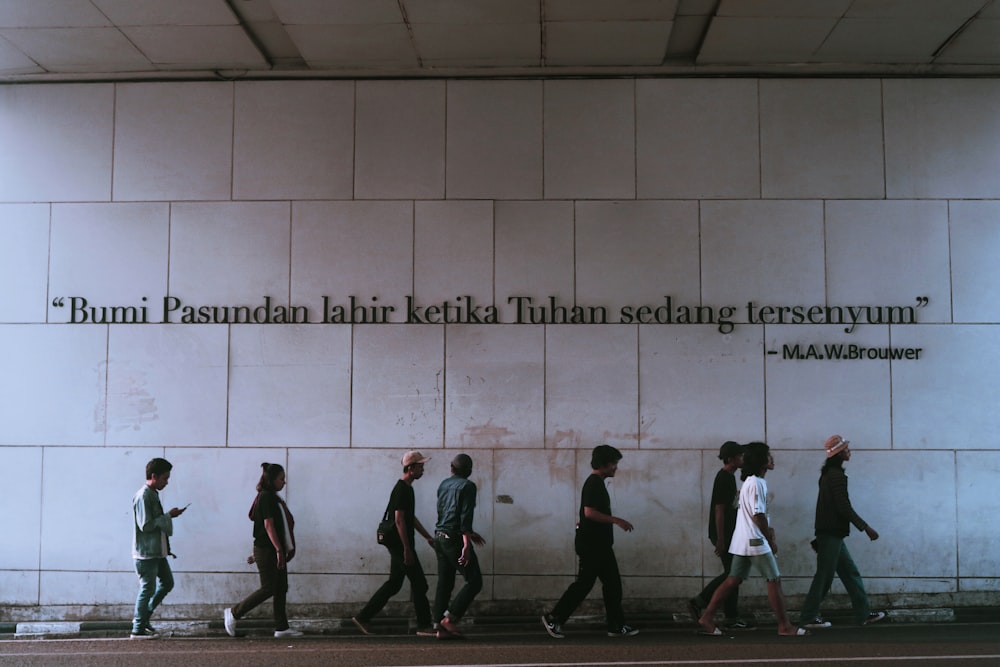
68,40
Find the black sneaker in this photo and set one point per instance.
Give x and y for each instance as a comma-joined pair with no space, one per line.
740,624
551,627
817,624
145,633
624,631
875,617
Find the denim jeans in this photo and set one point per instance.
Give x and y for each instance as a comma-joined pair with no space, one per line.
832,557
398,571
155,581
448,550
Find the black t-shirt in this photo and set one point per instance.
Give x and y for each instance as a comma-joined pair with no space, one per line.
591,533
267,507
723,493
403,499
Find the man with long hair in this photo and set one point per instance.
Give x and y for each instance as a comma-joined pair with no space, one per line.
753,545
834,516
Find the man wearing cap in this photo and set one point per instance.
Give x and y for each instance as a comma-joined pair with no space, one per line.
453,540
721,524
404,563
834,516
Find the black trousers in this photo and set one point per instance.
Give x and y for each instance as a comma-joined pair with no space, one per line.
398,571
595,564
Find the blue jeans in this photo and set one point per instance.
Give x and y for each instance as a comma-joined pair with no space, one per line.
832,557
448,550
155,581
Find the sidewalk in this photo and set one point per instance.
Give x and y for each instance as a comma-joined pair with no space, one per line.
483,625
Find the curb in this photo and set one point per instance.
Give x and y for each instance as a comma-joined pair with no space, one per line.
401,626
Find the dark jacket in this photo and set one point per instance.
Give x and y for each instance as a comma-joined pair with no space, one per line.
834,514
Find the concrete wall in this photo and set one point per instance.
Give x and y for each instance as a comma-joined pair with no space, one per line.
595,192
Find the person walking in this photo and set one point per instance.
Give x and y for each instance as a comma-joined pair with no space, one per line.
594,546
273,549
453,543
834,516
753,546
151,531
721,524
403,563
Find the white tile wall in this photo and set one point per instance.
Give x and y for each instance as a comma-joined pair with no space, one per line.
290,386
229,254
768,252
810,399
167,384
293,140
821,138
591,388
453,252
589,139
689,398
495,387
20,550
937,403
400,140
62,137
24,247
359,249
888,253
457,169
942,138
124,265
398,386
53,384
494,142
635,253
977,471
536,524
187,126
697,138
534,257
975,232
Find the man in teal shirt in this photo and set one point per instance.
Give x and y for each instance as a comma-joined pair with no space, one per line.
453,540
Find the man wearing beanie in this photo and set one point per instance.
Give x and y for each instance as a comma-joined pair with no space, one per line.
834,516
721,524
453,540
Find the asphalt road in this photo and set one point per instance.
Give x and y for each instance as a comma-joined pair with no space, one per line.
888,645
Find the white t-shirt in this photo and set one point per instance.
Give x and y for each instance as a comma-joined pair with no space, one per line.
748,540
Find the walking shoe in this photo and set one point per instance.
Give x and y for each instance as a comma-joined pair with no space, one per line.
817,624
624,631
874,617
450,626
361,625
229,621
287,632
694,609
552,627
145,633
740,624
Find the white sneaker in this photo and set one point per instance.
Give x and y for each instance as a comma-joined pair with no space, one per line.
230,622
817,624
287,633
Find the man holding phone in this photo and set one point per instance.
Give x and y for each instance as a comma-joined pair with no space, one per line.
152,528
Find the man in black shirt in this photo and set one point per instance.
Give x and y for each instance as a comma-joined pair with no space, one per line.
721,524
594,540
404,562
